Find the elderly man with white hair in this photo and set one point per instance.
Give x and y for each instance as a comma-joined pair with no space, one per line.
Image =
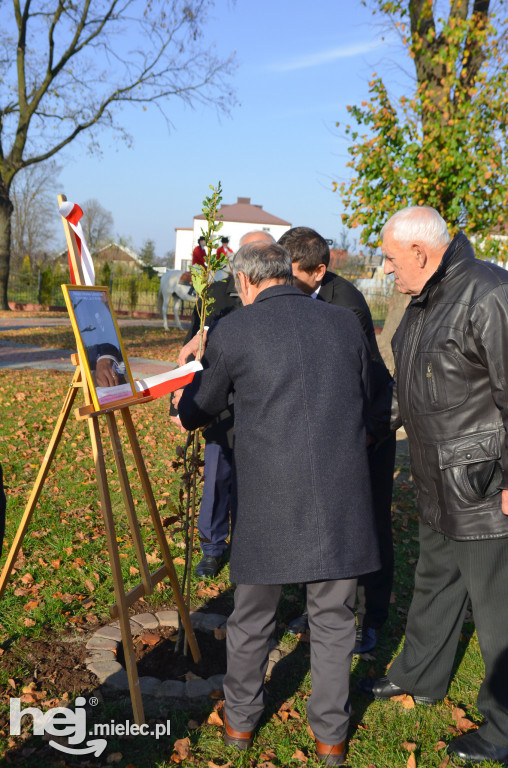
451,390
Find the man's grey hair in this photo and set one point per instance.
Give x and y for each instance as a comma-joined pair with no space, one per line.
418,224
255,235
263,261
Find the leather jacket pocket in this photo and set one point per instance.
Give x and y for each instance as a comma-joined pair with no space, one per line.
470,467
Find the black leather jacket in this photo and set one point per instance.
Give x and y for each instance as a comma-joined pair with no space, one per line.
451,394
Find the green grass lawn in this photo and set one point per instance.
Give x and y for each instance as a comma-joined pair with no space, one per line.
62,588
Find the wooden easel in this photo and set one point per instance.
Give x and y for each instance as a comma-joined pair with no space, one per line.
148,580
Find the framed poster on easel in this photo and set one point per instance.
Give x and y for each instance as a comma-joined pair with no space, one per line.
100,345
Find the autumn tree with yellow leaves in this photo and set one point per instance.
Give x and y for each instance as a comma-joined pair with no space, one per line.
444,144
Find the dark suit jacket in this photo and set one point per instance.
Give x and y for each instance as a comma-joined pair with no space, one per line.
226,300
340,292
301,500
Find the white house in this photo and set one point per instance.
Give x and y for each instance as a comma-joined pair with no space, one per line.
238,219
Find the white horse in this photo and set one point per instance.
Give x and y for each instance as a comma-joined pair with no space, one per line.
170,286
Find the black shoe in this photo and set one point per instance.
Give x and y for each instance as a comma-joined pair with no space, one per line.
208,566
298,626
366,640
471,746
383,688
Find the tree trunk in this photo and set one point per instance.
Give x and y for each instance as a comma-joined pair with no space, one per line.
5,243
396,308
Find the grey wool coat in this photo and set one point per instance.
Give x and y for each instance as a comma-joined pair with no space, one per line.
301,500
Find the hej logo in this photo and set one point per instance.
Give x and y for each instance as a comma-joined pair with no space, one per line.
58,722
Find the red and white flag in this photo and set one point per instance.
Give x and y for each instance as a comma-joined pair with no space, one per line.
72,213
156,386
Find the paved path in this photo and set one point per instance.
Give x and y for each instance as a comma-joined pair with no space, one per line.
13,323
22,355
14,355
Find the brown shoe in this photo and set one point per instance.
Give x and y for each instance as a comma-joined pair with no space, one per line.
239,739
331,754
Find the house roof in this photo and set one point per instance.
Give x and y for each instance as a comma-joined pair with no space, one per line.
128,251
244,211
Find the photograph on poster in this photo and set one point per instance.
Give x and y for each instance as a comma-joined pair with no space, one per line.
99,343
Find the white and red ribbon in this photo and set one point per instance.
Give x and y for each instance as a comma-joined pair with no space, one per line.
156,386
72,213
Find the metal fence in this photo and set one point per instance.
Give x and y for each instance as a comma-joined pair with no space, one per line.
134,293
377,300
138,293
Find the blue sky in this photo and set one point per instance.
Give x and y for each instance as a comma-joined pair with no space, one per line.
298,65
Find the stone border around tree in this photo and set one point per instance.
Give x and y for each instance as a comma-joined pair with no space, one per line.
104,644
103,662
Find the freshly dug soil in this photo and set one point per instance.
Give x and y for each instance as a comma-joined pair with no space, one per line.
160,660
54,665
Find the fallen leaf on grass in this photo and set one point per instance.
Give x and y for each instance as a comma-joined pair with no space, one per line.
287,709
298,755
27,578
440,745
29,622
269,754
409,745
89,585
405,700
181,750
179,561
411,763
444,762
219,633
463,723
214,719
214,765
28,698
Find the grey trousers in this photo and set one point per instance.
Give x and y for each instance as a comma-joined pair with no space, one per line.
447,572
332,624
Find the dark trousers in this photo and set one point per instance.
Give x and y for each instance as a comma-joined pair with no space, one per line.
213,521
374,589
447,573
332,623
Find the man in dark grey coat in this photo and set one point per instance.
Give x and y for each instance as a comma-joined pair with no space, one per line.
301,501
